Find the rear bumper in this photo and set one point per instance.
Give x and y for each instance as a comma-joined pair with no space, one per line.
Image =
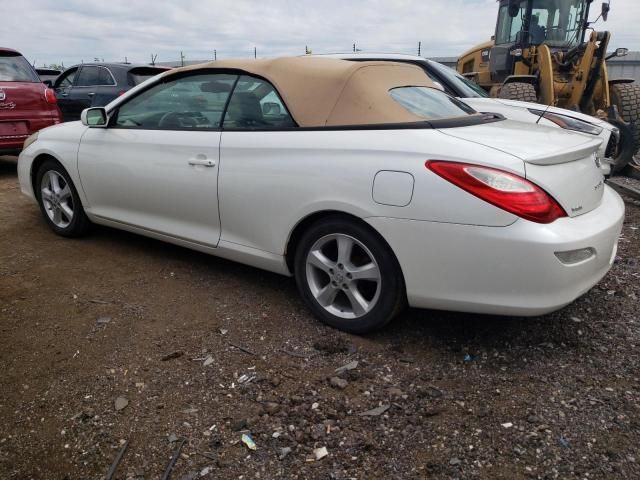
509,270
12,144
10,151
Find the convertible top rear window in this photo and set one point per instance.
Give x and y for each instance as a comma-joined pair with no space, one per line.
429,103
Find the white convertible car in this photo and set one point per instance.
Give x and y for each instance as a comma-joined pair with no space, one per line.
370,186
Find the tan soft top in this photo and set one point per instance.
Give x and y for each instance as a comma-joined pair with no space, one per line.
329,92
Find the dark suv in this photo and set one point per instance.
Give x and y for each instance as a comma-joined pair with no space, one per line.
96,84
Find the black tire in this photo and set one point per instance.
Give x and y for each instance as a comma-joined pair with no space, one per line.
79,223
626,96
525,92
391,296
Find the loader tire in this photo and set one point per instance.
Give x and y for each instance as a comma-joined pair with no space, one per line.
525,92
626,96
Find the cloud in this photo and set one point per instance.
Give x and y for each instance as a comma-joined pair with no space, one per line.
72,31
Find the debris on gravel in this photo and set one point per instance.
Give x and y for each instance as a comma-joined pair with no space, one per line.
121,403
568,383
338,382
172,355
320,453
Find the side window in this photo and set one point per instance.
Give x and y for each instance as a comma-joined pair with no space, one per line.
429,103
440,84
67,79
256,104
192,102
105,77
88,77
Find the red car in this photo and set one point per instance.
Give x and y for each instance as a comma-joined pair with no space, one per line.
26,104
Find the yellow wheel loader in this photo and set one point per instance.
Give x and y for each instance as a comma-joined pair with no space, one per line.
545,51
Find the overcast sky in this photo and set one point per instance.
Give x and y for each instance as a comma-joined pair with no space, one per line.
72,31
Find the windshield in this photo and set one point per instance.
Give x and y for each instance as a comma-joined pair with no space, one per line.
466,88
14,68
556,23
429,103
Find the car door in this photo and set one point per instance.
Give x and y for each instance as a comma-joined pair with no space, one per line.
258,154
156,165
106,88
83,90
62,87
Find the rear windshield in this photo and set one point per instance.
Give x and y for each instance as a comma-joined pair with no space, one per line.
140,74
14,68
430,103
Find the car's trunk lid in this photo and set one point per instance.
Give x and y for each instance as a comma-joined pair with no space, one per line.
23,108
562,163
547,108
18,100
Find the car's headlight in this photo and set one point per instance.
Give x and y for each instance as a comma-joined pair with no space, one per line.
30,139
568,123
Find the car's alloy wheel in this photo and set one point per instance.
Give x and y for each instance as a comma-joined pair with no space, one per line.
348,276
59,200
343,276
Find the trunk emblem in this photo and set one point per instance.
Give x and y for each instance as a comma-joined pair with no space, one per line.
3,95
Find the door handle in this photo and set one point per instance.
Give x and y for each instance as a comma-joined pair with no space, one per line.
203,162
91,94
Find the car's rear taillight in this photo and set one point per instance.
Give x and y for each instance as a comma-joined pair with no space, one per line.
50,96
505,190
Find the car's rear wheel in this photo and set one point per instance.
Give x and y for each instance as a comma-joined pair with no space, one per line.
348,276
59,201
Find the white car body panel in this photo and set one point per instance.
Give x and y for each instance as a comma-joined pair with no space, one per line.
505,273
152,180
311,177
61,142
393,188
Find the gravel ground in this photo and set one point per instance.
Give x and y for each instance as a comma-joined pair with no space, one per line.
115,338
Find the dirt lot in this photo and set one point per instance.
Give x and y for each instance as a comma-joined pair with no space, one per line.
84,322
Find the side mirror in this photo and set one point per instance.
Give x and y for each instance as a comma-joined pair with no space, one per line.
620,52
94,117
48,83
514,8
605,10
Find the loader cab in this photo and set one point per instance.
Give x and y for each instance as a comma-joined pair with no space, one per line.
522,23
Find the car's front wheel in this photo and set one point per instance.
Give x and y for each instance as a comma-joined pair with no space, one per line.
348,276
59,201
